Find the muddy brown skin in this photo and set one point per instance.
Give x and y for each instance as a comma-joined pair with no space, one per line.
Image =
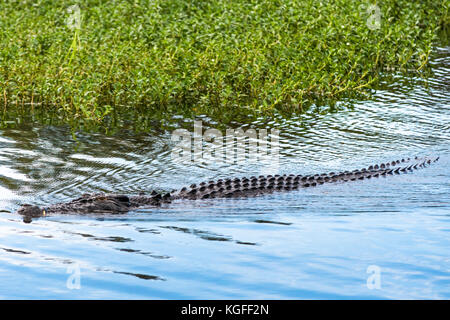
222,188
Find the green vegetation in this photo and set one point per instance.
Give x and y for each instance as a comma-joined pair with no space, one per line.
216,57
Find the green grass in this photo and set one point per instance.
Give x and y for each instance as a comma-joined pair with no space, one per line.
203,57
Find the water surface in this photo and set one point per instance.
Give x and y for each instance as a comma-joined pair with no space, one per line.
313,243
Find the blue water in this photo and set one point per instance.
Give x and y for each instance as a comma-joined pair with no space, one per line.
314,243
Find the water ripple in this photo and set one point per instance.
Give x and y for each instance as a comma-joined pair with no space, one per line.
314,243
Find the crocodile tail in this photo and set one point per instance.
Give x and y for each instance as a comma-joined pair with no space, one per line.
244,187
391,168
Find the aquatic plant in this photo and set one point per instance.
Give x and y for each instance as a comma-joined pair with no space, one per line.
219,58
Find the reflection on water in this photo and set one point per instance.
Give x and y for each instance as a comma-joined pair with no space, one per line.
314,243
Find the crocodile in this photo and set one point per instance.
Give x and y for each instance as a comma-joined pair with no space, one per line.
221,188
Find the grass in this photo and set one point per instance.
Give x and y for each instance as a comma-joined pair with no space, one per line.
165,57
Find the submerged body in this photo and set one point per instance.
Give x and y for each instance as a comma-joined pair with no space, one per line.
222,188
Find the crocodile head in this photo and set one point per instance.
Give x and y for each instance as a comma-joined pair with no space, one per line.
29,211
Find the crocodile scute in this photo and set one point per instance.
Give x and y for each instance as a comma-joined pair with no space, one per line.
221,188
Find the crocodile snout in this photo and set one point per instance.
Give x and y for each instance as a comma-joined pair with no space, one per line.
29,211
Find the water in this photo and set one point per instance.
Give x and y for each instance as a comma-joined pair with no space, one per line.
323,242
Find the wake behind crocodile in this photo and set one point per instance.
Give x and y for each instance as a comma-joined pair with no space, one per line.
222,188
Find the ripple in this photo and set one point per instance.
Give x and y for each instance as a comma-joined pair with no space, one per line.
140,275
315,243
